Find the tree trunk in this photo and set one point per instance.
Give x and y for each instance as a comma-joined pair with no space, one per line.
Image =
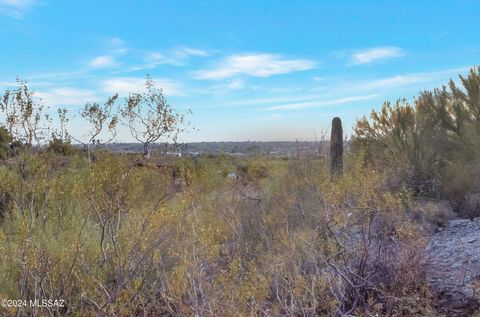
146,152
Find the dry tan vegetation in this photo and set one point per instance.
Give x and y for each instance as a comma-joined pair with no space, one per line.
119,235
117,239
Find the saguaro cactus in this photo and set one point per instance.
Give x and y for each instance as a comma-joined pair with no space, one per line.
336,146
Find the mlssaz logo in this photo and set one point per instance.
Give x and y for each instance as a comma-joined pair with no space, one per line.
47,303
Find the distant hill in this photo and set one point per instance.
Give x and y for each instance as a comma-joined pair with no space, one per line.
278,148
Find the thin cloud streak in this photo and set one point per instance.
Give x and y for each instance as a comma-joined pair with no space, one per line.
66,96
375,54
116,45
406,79
126,85
339,90
15,8
103,61
177,57
322,103
255,65
273,100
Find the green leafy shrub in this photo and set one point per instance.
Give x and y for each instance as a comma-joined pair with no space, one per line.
432,144
59,146
5,142
253,170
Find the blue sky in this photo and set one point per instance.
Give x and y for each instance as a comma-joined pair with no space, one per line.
249,70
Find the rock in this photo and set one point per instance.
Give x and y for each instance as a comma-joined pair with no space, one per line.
232,176
452,258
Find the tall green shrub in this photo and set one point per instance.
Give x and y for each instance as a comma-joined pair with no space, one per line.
432,143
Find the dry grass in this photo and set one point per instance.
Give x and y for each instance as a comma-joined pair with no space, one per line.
113,238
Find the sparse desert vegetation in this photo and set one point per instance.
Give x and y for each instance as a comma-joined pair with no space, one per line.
148,235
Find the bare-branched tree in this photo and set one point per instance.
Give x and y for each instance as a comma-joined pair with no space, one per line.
150,117
23,116
61,132
102,121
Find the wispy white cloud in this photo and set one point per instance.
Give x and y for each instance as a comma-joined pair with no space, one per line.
404,80
235,84
177,56
63,75
114,48
126,85
323,102
184,52
339,89
299,97
66,96
375,54
15,8
224,88
102,61
393,81
116,45
8,84
257,65
37,84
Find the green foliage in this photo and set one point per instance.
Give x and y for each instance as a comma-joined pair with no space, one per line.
253,169
433,144
59,146
119,236
24,119
5,142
